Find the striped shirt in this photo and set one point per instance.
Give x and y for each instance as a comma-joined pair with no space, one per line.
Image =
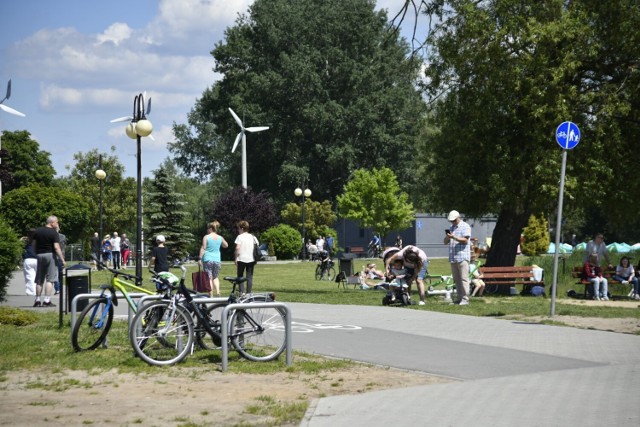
459,252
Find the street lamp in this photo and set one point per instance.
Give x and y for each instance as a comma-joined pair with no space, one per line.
304,192
101,175
138,128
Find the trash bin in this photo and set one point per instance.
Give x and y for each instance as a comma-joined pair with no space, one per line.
78,282
346,265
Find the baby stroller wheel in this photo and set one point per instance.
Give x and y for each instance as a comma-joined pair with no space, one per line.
405,299
385,300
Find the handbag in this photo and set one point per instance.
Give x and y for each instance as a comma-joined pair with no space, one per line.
201,281
257,254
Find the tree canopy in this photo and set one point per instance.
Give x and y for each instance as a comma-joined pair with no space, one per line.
333,84
318,216
501,76
23,162
374,199
28,207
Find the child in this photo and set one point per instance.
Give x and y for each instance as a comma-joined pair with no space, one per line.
625,274
476,277
593,273
398,276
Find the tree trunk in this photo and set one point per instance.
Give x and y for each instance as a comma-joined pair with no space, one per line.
506,238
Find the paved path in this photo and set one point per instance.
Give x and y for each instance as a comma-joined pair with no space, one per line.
506,373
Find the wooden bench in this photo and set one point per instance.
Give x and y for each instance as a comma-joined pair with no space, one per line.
576,273
358,250
494,277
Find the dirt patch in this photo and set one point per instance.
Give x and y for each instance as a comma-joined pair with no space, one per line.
187,396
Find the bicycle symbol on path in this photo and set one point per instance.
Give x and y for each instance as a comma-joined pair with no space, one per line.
307,328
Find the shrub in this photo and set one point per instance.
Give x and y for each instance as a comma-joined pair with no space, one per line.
536,236
16,317
10,252
285,241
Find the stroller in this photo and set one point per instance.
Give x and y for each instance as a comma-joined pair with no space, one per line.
398,293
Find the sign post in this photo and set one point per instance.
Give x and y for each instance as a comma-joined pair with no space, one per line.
567,136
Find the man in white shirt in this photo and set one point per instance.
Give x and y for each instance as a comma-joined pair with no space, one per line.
115,250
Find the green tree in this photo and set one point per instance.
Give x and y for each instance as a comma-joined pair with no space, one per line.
335,87
374,199
165,210
10,251
536,236
118,193
502,75
28,207
23,162
318,217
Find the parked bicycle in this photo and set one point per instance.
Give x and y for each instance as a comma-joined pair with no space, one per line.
325,270
164,332
92,325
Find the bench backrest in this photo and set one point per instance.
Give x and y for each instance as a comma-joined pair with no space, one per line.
516,273
576,272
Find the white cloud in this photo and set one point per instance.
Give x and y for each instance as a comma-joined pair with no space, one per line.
115,33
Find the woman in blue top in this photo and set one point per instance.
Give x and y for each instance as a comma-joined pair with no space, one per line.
210,256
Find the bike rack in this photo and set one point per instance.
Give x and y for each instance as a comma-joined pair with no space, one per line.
225,330
74,304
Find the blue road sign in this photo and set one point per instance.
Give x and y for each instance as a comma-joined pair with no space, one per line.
568,135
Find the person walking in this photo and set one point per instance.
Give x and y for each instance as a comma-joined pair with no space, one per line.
211,257
95,250
458,237
160,255
125,249
115,250
244,259
29,264
46,244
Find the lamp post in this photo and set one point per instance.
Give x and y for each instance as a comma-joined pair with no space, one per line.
304,192
138,128
101,175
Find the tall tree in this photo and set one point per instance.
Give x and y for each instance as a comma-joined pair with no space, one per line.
502,75
23,162
335,87
165,210
118,192
374,199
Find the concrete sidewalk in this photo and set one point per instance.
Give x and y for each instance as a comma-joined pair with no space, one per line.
506,373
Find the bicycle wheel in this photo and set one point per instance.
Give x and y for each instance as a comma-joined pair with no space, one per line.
491,289
203,339
258,333
330,274
92,326
319,272
370,252
161,336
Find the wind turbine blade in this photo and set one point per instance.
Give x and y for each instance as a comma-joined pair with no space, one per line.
8,90
237,119
151,137
11,110
257,128
149,106
122,119
235,144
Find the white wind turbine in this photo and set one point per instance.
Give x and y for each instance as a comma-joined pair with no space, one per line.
10,111
244,143
130,130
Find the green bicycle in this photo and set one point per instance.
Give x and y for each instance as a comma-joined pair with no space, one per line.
92,326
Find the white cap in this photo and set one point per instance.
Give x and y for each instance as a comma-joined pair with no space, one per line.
160,238
453,215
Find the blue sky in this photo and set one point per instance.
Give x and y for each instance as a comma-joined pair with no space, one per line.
75,65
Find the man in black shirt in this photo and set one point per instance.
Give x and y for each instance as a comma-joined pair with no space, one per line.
46,244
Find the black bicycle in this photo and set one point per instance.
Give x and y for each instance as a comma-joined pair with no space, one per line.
164,332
